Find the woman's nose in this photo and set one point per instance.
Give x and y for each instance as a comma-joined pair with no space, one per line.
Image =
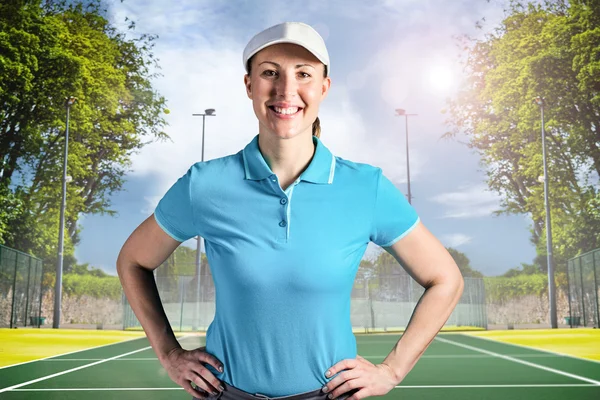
286,85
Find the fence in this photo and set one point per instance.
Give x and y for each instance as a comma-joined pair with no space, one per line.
378,303
583,274
20,289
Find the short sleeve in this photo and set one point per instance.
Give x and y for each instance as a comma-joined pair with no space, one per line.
174,211
393,216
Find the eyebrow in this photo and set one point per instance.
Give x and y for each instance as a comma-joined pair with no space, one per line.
279,66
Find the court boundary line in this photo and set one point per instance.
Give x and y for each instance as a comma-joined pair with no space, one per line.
467,356
43,378
508,386
72,352
527,363
530,348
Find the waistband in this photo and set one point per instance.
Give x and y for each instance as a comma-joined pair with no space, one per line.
233,393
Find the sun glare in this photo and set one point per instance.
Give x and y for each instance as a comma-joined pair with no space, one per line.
441,78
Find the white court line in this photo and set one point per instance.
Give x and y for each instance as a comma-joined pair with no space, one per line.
397,387
452,356
98,359
93,389
551,385
43,378
529,364
534,348
72,352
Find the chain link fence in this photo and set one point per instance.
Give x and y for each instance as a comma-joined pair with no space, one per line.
583,274
379,303
20,289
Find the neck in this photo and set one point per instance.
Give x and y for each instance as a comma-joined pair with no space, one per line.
287,158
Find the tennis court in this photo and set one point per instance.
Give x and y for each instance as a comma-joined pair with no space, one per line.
455,366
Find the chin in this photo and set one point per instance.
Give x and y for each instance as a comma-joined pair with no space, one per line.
286,133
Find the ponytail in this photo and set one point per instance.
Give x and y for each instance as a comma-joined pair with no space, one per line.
316,128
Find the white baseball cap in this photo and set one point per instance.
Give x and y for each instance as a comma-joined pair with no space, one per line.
289,32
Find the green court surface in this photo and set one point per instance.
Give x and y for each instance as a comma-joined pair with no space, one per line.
455,366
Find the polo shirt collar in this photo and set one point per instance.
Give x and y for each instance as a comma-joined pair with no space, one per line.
320,170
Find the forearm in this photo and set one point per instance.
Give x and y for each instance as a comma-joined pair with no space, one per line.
430,314
141,291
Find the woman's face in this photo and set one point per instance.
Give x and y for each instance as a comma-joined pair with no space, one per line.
286,85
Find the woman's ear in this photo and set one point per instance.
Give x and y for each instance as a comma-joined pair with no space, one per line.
325,87
248,85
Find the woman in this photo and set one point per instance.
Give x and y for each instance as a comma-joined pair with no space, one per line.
285,225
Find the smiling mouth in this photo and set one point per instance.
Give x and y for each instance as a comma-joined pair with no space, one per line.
286,111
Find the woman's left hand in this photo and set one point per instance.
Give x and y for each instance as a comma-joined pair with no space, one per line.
362,377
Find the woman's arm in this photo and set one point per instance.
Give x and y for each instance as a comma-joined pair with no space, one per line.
144,251
430,264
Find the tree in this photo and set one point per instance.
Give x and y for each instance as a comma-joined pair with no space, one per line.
464,264
386,264
549,50
524,269
50,50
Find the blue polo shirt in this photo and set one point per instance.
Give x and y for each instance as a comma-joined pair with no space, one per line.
283,262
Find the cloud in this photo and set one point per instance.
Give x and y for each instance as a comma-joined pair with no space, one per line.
150,204
469,202
455,240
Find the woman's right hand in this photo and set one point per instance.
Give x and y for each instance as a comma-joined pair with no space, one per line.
185,367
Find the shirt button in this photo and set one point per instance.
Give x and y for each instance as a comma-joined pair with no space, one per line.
283,201
283,224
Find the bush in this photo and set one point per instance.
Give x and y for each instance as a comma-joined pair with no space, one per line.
108,287
503,288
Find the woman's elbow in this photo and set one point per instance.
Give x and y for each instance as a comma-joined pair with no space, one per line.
459,284
453,282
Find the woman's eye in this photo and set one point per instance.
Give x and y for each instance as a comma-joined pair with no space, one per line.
269,72
304,75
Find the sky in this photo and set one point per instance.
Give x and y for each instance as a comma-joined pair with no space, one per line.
385,54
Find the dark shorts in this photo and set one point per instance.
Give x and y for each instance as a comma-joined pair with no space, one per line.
233,393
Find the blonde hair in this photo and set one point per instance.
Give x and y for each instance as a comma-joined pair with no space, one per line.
316,127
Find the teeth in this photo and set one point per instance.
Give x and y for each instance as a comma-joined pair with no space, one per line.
287,111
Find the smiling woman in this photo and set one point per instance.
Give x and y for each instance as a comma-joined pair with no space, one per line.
282,250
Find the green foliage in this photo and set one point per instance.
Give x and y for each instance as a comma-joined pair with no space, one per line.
386,264
91,285
10,209
86,269
525,269
501,288
182,262
50,50
550,50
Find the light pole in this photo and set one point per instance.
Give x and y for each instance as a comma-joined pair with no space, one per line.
69,101
551,285
401,112
211,113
